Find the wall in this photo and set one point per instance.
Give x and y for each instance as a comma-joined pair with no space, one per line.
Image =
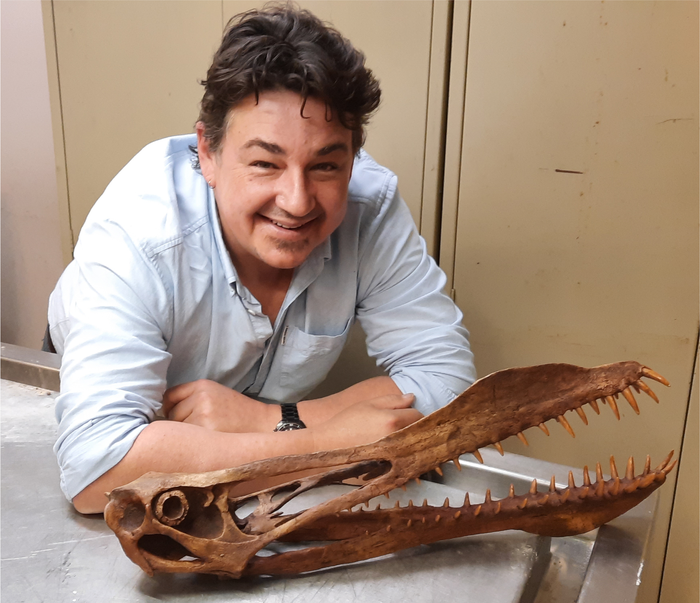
31,243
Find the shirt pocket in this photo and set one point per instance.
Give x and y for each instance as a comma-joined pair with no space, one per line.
306,359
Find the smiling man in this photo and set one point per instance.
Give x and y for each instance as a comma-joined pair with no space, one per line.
216,279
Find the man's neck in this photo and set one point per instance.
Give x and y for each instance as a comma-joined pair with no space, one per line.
269,286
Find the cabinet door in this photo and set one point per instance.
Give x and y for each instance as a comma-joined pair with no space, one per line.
128,74
576,225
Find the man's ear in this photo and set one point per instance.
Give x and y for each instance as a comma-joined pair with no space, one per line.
206,157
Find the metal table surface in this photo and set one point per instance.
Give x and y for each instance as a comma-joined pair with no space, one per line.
52,553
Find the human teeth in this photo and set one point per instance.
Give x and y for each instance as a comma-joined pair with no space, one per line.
283,226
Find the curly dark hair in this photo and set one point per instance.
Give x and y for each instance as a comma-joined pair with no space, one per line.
283,47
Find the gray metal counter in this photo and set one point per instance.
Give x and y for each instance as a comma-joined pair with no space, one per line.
51,553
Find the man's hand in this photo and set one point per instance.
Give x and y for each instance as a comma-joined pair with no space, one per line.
218,408
366,422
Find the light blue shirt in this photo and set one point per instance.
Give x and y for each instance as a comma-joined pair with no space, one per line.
152,300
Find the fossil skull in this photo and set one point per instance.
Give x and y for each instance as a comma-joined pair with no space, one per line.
195,523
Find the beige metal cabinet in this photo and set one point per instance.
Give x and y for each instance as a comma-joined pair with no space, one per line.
572,233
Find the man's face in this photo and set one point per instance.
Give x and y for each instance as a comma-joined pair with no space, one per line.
281,180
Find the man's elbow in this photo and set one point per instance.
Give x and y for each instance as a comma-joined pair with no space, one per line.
91,500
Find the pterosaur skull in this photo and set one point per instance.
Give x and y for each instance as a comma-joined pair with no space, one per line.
198,522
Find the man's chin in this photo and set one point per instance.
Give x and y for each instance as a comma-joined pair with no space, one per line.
287,255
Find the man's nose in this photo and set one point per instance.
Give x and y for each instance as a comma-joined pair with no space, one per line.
294,195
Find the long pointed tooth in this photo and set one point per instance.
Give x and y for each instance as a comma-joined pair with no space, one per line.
497,510
647,465
615,487
397,505
598,472
565,495
422,519
446,504
629,396
378,507
566,425
543,500
438,470
586,477
533,487
511,492
543,427
477,511
629,473
580,413
386,494
600,488
416,480
613,405
478,456
437,518
647,372
523,504
467,502
410,503
457,464
487,498
647,480
666,470
498,447
425,502
458,514
388,528
403,487
664,462
594,406
613,468
572,484
552,484
410,521
631,487
522,438
647,390
584,492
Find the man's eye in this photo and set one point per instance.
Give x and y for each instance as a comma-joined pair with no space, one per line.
265,165
325,167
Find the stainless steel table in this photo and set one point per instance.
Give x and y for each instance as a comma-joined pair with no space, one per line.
51,553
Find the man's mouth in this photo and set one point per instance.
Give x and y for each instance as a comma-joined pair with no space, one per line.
285,226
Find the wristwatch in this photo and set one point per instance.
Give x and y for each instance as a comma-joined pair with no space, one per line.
290,418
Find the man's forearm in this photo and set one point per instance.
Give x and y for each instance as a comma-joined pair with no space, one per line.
173,447
320,410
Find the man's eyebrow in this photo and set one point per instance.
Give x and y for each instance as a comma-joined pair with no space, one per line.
275,149
331,148
270,147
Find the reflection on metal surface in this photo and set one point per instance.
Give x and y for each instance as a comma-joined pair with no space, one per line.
32,367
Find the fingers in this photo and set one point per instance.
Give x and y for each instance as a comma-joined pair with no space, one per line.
393,401
176,394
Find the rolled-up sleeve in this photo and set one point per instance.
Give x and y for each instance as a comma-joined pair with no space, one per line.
414,331
115,361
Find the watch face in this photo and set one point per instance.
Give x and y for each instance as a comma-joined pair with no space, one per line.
288,426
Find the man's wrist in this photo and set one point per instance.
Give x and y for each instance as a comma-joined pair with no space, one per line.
290,420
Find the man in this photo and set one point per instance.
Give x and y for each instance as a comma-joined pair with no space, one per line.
211,291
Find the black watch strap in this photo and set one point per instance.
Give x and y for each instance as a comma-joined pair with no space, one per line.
290,418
